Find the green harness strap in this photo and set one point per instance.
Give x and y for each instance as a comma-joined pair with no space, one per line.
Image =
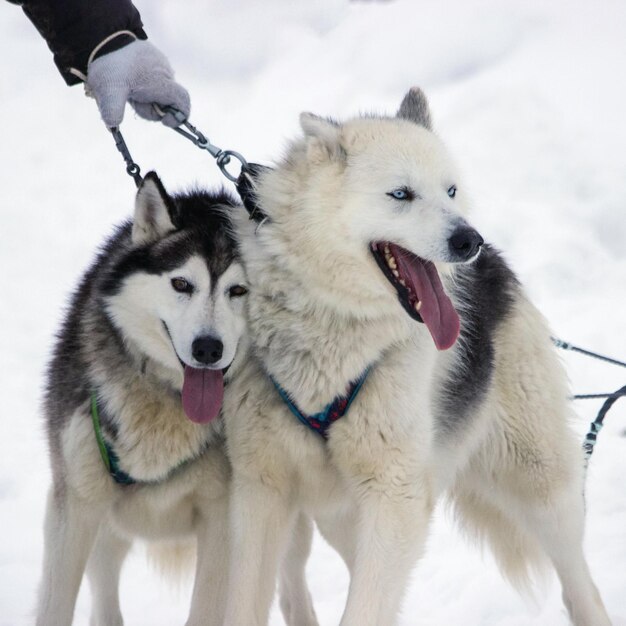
95,418
109,458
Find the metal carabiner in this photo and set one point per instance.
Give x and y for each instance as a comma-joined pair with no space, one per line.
189,131
223,159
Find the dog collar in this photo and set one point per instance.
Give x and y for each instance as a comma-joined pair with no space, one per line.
321,422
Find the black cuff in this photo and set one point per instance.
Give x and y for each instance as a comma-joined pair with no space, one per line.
73,29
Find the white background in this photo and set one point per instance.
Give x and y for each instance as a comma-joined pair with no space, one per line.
530,98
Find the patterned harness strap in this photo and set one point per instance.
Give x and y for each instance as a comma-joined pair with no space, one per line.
321,422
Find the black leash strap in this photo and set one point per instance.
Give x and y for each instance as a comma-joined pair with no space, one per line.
132,169
592,436
564,345
246,188
610,398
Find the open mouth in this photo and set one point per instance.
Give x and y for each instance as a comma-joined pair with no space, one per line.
419,290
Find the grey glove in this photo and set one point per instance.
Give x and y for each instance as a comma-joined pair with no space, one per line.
140,74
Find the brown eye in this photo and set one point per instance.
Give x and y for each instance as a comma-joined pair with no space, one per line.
237,291
181,285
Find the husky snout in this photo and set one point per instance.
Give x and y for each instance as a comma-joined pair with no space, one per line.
207,350
464,243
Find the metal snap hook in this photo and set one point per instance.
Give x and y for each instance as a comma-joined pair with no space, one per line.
224,158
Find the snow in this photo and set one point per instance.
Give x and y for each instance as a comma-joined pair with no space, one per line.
529,97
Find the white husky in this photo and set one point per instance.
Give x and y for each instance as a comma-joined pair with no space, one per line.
365,238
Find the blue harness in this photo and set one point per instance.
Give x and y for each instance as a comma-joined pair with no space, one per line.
321,422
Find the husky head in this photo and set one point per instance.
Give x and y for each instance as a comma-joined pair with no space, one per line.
177,293
379,208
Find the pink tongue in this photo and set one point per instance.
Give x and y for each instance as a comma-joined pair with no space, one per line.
437,310
203,391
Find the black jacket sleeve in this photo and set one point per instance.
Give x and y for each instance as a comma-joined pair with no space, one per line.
73,28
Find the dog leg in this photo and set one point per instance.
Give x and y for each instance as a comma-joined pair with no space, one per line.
69,532
103,571
559,529
526,515
387,548
338,530
210,586
390,533
295,599
261,521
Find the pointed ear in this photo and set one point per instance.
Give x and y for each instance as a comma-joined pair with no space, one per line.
154,211
414,108
323,137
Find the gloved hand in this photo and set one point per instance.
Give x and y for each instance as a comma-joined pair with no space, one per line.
140,74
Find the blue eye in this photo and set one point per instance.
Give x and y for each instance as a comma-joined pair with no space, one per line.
402,193
452,191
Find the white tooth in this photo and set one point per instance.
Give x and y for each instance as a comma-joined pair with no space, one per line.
386,249
418,305
391,262
402,282
395,273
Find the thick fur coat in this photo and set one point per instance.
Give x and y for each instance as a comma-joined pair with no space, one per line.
160,310
484,421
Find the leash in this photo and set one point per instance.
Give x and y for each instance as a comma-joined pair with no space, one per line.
592,435
559,343
132,169
591,438
244,181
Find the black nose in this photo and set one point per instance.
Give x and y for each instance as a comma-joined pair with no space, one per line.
207,350
464,243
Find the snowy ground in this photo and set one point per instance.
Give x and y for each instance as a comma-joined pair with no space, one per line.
529,96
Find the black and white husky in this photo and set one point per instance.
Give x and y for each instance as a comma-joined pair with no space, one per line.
365,238
133,392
